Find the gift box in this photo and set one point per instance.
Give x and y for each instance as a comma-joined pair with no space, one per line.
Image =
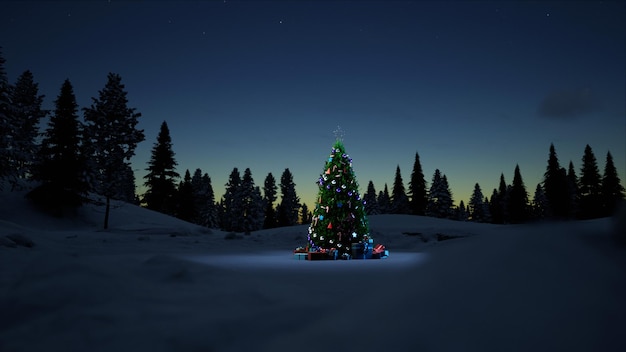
369,251
358,250
382,255
318,256
300,256
379,248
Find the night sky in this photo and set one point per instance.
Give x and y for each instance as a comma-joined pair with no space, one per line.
473,87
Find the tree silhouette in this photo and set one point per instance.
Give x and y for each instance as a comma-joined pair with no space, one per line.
518,199
60,163
384,201
555,187
399,199
162,175
439,198
5,127
462,213
252,204
111,137
289,208
477,207
499,203
184,199
572,191
612,190
371,203
204,200
417,188
590,186
25,115
232,204
269,197
539,205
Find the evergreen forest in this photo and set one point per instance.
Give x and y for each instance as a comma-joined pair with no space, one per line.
84,155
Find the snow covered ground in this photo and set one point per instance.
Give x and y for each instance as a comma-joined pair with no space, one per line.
155,283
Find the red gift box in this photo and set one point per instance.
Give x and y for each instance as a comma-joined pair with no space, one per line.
378,249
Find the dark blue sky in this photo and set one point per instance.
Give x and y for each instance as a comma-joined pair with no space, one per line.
474,87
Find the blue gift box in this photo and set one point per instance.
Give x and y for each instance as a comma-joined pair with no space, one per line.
358,250
299,256
382,255
368,252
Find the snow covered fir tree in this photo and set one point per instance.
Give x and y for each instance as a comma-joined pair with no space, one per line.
339,218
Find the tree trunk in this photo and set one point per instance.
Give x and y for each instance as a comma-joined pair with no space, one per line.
106,213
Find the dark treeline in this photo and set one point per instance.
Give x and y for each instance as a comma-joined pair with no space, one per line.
562,195
74,161
243,208
70,158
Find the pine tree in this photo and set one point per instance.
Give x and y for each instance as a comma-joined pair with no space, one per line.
539,206
494,209
290,203
590,186
447,202
5,127
25,114
612,190
252,204
433,194
477,207
499,202
440,201
399,199
269,197
199,196
204,200
518,199
185,200
487,205
462,214
110,138
555,187
127,189
384,201
59,165
212,214
232,203
339,217
304,214
221,214
161,177
417,188
371,203
572,191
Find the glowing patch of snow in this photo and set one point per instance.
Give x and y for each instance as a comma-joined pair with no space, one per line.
282,260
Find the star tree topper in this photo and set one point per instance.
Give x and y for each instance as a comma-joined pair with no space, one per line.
339,133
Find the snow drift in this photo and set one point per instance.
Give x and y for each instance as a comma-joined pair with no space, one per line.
155,283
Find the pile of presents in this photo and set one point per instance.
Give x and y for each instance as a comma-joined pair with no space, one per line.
360,250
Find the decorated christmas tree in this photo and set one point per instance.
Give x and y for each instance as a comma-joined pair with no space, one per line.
339,218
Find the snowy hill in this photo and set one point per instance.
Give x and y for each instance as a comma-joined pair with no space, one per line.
155,283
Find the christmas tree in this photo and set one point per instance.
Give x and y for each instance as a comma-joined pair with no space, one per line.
339,217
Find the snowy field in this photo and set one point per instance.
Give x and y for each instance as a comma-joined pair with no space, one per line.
155,283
